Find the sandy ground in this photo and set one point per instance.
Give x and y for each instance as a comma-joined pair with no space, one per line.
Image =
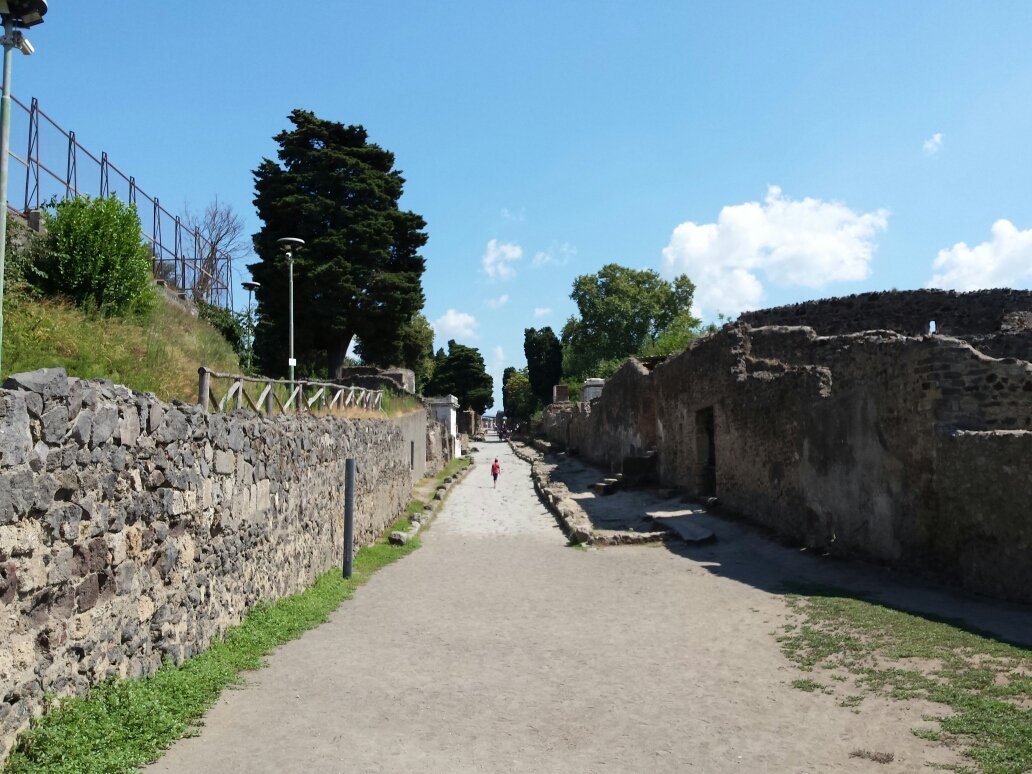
496,647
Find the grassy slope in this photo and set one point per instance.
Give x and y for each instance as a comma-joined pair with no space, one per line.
159,352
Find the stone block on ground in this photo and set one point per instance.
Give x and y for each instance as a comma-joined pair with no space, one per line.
685,527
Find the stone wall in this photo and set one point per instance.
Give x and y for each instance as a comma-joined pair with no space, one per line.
420,443
131,529
371,378
910,311
872,444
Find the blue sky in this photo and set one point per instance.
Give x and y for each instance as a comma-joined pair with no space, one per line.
772,151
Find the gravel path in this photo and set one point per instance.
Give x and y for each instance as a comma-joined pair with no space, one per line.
495,647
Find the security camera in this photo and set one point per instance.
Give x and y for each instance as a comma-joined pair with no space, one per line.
16,39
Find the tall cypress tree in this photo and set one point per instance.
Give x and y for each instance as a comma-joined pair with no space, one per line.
359,272
544,356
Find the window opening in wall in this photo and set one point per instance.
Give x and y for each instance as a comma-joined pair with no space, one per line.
706,452
931,326
412,455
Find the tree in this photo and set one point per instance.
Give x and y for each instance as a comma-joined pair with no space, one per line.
518,398
622,312
462,373
222,240
544,362
359,272
412,347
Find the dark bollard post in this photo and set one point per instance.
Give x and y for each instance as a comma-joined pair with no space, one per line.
203,387
349,515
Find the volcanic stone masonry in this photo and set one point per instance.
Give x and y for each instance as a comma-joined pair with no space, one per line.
131,529
842,424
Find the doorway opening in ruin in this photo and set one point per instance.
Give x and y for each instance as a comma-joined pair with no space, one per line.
706,452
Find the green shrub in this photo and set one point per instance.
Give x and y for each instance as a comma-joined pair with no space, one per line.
95,256
232,325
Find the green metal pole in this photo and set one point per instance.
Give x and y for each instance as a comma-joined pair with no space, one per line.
5,139
250,331
290,263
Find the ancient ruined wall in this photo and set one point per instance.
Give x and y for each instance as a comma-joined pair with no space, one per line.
132,529
982,527
848,442
758,408
606,432
910,311
421,445
1016,344
440,444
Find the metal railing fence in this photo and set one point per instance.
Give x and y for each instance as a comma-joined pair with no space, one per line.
54,164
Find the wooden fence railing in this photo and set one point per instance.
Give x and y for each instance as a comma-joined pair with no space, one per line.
295,397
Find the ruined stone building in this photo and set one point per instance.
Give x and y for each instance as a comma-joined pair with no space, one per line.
844,424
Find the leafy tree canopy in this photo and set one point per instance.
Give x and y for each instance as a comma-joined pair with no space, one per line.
517,396
359,272
622,312
462,373
544,362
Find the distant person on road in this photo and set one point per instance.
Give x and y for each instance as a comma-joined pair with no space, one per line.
495,470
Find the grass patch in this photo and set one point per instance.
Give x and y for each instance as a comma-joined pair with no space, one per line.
453,467
398,403
122,724
807,685
877,757
986,682
159,351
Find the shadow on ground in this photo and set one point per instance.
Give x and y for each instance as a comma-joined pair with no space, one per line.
751,555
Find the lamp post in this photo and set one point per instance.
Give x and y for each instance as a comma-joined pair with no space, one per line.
250,287
287,245
14,14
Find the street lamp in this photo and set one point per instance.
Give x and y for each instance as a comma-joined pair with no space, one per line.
287,245
14,14
250,287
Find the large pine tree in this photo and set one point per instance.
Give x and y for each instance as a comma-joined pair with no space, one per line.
462,373
359,273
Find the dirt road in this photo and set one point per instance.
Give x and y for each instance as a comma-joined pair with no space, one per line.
496,647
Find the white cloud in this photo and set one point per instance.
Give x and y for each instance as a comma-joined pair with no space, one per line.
1003,261
518,216
456,325
933,144
558,254
499,356
542,311
498,257
498,303
807,242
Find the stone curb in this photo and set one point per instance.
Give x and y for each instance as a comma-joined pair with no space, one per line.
571,518
422,520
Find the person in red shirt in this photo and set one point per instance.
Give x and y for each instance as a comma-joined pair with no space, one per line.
495,470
